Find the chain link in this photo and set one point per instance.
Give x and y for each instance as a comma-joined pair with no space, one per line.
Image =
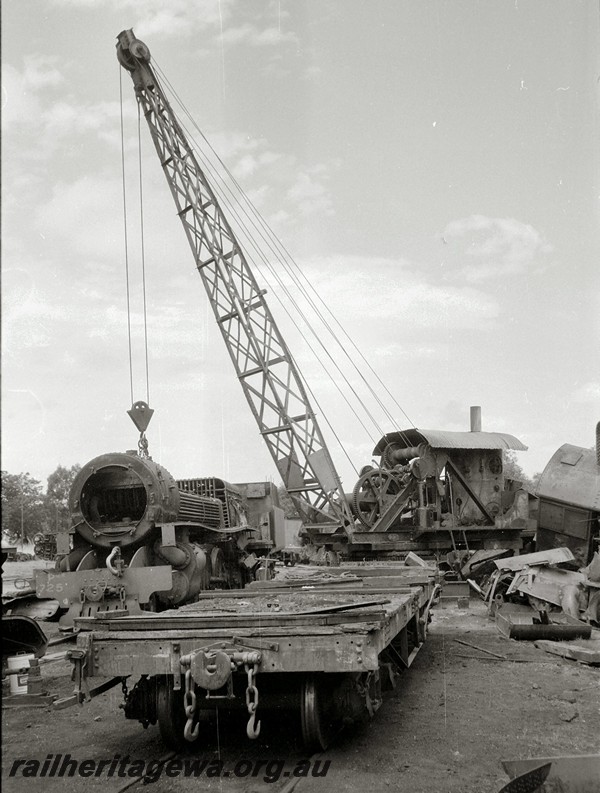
143,445
124,688
252,729
189,706
251,690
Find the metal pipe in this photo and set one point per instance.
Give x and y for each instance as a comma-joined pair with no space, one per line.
397,455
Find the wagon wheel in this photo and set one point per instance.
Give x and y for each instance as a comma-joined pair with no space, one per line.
316,714
218,568
372,493
170,714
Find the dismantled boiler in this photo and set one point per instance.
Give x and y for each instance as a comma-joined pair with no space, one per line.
437,490
141,540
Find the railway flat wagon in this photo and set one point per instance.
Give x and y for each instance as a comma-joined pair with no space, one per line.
321,648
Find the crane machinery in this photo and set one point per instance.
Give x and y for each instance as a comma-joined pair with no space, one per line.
323,647
270,379
418,496
432,492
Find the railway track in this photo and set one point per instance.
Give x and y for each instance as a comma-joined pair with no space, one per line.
264,775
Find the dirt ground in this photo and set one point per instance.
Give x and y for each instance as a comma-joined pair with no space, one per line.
454,716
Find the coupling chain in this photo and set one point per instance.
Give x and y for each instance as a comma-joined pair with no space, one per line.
143,445
252,729
189,706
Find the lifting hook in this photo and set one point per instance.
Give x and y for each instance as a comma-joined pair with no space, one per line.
189,734
252,728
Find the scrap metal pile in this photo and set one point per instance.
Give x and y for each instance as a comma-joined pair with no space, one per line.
545,597
548,581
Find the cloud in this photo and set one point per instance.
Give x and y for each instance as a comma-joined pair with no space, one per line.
44,122
28,318
67,119
256,37
87,213
158,18
310,193
498,246
402,352
276,183
21,89
388,290
587,393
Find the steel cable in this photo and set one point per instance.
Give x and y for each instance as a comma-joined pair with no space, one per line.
233,211
143,258
125,235
289,268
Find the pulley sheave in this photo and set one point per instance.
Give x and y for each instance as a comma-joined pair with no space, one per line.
140,414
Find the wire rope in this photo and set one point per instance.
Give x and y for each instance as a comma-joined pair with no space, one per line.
143,256
292,319
296,279
260,253
283,250
291,269
125,236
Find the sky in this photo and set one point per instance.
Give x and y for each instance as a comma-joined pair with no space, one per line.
432,168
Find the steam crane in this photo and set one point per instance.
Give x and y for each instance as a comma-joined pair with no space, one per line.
429,485
327,654
264,366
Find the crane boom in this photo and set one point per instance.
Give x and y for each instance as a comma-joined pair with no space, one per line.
270,379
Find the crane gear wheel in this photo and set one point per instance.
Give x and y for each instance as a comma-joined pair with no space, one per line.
386,455
371,494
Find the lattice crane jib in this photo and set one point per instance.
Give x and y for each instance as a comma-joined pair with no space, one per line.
264,366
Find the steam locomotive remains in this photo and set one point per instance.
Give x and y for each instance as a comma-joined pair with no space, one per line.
141,540
170,584
146,552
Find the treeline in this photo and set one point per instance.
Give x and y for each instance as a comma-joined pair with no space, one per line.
27,510
512,470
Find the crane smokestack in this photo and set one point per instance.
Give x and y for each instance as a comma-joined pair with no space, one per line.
475,418
598,443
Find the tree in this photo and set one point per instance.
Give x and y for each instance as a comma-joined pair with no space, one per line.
22,506
56,501
535,480
512,470
286,503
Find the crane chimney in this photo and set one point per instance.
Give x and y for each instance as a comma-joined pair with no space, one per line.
598,443
475,418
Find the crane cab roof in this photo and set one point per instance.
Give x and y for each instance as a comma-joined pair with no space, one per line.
443,439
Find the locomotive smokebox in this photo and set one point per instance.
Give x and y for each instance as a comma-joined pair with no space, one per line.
118,498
